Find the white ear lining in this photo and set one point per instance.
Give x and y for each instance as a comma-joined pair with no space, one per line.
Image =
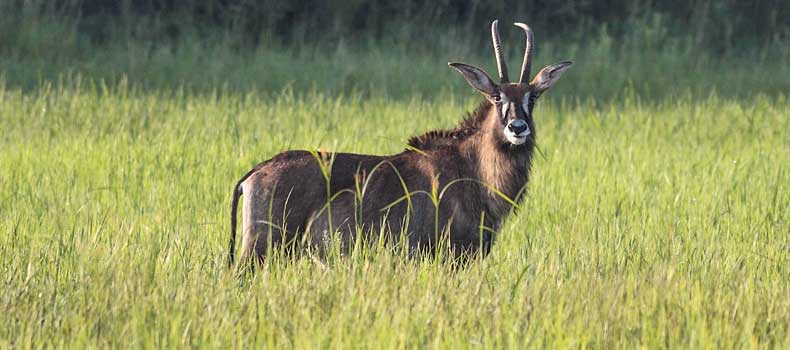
549,75
476,77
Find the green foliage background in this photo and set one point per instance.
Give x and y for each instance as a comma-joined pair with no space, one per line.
656,217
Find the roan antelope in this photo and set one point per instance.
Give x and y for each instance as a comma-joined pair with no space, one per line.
480,168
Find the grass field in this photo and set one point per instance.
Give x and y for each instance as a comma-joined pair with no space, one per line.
657,215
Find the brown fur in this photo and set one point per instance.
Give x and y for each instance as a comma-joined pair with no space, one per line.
286,196
287,199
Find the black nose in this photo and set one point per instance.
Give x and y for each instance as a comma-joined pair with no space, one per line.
517,126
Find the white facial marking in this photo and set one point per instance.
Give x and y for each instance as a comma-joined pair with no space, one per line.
516,139
510,135
525,102
505,103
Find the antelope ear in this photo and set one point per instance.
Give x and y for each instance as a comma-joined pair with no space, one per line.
549,75
476,77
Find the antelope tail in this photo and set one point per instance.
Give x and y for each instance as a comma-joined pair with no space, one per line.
234,206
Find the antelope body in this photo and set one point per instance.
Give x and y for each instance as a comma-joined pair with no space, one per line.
478,170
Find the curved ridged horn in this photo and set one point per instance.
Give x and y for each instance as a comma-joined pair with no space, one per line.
500,60
526,66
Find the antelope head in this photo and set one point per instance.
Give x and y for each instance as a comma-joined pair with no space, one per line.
512,102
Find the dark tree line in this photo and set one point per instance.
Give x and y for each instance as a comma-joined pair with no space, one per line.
717,22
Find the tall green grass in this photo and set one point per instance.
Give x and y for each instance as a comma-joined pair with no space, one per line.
655,224
656,216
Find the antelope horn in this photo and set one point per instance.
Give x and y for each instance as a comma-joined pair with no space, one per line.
500,61
526,66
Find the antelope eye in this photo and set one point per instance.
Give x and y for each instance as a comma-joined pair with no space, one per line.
497,98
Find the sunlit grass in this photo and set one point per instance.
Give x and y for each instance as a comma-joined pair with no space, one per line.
654,224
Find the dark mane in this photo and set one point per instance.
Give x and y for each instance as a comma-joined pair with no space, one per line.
448,137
